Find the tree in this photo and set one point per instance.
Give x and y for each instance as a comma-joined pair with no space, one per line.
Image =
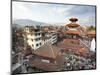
17,40
91,28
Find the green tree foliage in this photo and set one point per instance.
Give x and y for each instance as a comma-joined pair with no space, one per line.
91,28
17,40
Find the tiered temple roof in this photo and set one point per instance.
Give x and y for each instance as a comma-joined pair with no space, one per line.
73,25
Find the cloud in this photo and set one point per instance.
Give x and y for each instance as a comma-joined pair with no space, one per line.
19,10
87,21
53,13
81,10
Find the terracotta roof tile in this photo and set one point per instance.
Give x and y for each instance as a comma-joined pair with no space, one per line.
73,25
73,32
47,51
44,66
91,33
77,49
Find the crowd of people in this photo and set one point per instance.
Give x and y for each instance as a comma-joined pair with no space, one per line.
74,62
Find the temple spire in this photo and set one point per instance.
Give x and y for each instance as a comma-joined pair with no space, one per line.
73,19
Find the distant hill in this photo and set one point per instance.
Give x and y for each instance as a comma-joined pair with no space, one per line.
16,25
27,22
60,24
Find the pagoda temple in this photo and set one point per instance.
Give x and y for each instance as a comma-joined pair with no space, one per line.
73,30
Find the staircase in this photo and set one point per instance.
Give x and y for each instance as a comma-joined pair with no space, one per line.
85,43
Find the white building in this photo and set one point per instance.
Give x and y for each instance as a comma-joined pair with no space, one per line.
53,37
33,37
36,39
49,37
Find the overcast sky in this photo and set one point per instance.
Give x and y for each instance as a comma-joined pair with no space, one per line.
53,13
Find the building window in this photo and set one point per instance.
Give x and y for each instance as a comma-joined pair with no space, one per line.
40,43
31,39
39,38
31,34
36,39
26,38
32,45
37,45
35,34
38,33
